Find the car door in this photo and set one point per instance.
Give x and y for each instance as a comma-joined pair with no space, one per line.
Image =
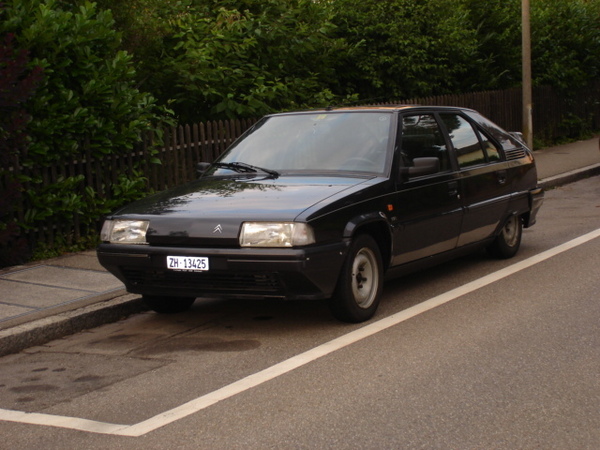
483,178
427,206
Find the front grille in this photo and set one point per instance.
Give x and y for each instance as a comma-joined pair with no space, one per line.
205,282
515,153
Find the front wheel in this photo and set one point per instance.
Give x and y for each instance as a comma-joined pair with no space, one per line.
507,243
359,287
168,305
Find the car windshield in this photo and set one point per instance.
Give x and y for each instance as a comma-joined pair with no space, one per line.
325,141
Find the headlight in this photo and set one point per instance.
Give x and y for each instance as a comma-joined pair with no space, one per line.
283,234
124,231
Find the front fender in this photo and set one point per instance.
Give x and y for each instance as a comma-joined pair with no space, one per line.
378,226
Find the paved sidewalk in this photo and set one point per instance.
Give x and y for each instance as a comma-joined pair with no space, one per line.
49,299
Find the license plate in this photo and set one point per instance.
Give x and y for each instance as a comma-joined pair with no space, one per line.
188,263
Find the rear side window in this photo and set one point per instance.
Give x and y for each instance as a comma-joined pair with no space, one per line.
464,140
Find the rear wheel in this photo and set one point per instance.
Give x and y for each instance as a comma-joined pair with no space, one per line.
358,292
168,305
507,243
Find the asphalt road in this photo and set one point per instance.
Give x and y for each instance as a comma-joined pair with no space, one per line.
477,353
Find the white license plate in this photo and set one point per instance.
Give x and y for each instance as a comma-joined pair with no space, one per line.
189,263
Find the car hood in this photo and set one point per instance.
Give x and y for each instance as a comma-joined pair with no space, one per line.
211,210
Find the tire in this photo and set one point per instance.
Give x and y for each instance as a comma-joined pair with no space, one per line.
359,287
507,243
168,305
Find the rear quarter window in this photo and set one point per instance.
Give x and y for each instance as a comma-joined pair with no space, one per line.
502,137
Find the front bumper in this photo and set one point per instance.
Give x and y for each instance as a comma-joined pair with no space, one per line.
308,273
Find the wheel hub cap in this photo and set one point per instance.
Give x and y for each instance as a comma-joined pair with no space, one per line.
364,283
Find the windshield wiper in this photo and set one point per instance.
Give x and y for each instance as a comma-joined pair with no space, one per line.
245,168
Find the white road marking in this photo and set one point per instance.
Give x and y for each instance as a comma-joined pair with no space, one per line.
288,365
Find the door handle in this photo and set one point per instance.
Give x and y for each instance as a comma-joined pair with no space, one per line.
501,176
453,189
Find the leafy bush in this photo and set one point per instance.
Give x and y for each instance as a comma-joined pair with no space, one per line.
226,58
233,59
497,61
403,49
565,39
88,90
87,100
565,42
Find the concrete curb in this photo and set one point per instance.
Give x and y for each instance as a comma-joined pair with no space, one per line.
40,331
570,177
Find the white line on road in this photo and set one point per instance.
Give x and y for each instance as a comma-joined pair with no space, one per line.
288,365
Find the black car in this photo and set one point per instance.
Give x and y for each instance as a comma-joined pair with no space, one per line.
324,205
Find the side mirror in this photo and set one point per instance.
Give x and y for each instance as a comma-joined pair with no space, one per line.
201,167
421,166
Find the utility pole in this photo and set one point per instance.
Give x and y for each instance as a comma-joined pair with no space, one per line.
526,53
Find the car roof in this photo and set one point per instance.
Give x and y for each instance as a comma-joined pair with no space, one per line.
390,108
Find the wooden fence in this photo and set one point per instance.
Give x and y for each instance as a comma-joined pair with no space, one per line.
187,145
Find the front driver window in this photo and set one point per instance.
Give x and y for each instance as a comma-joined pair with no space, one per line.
422,138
